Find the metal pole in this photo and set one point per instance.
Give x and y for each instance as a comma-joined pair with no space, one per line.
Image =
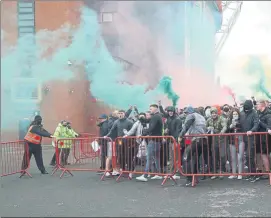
186,39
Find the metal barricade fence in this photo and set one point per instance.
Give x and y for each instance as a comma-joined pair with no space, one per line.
69,155
87,135
147,156
88,151
232,155
15,158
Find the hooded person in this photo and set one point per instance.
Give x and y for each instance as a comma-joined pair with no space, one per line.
33,138
249,123
195,124
173,127
218,125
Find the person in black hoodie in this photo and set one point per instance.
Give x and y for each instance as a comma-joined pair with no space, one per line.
249,122
34,138
173,127
103,131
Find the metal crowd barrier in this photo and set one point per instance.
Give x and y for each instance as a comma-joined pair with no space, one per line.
233,155
15,158
147,156
82,154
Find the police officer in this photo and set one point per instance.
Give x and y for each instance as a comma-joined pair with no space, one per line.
64,130
33,138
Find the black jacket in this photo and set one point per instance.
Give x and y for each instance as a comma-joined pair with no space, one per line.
174,126
39,130
249,121
119,125
113,134
155,125
264,120
104,128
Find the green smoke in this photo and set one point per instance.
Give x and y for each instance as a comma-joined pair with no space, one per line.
255,67
165,85
105,73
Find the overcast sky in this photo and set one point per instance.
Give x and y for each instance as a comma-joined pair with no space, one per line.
252,32
250,35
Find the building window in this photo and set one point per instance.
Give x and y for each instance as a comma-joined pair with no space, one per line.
106,17
25,90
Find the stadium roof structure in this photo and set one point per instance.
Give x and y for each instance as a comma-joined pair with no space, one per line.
231,11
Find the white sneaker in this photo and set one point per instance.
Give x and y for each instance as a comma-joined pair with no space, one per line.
232,177
240,177
142,178
131,175
213,177
115,173
176,177
107,174
149,176
157,177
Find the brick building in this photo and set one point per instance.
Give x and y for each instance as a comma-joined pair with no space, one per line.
76,103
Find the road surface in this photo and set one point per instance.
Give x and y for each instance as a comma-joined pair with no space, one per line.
85,195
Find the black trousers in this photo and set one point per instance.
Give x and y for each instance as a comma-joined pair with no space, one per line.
250,150
36,150
64,154
103,144
192,155
126,154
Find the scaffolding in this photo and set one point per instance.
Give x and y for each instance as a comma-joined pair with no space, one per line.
231,11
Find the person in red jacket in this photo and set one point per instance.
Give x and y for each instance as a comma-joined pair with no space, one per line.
33,139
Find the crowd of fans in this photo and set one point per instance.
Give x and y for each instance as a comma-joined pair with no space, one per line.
250,117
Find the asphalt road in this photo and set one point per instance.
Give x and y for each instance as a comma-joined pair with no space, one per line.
85,195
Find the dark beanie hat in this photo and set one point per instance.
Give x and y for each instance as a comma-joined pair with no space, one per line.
37,118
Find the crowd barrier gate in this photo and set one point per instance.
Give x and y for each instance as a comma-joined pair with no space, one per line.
159,158
207,156
80,154
87,151
15,158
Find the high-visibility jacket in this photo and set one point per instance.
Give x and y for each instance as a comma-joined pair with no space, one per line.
32,137
64,132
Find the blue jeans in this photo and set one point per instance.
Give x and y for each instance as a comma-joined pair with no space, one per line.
153,154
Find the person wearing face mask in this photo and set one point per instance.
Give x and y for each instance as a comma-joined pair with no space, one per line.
249,121
33,138
218,125
140,149
237,146
226,111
